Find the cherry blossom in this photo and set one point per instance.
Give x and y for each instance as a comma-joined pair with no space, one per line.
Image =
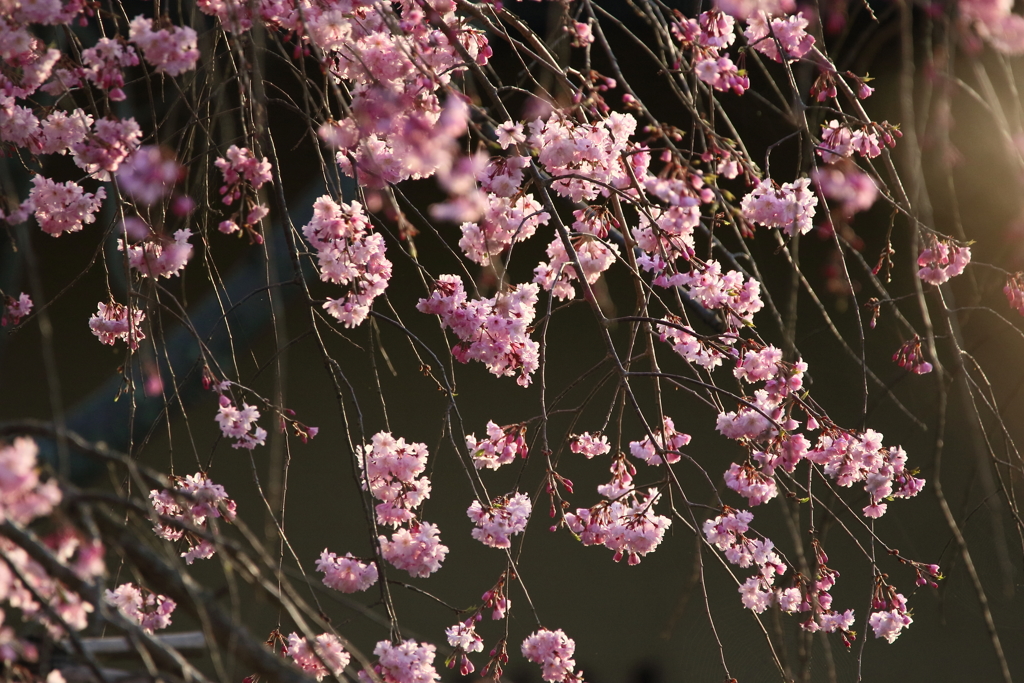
589,444
790,207
193,501
110,143
664,448
15,309
391,469
1014,291
149,175
493,331
62,207
240,424
23,496
768,35
627,526
405,662
853,189
349,255
346,574
942,260
499,448
171,50
417,550
149,610
159,256
326,657
115,321
553,650
503,517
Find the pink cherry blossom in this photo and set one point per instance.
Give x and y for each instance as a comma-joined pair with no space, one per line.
171,50
502,518
349,255
115,321
553,650
193,501
499,448
589,444
159,256
346,574
942,260
790,207
664,448
405,662
240,424
15,309
62,207
418,550
326,657
149,610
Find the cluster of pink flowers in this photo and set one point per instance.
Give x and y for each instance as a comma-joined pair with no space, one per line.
994,22
60,207
103,64
553,650
790,207
243,175
942,260
1014,291
406,662
589,445
493,331
464,638
664,448
106,148
390,469
708,35
171,50
15,309
116,321
349,255
240,425
506,220
625,525
727,532
575,153
843,182
840,140
850,458
595,256
501,446
158,255
779,38
346,574
502,518
892,615
739,297
911,357
194,500
149,175
325,658
23,497
149,610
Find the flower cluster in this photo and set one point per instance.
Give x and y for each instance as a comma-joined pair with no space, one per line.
158,255
594,255
111,142
326,657
626,525
553,650
911,357
149,175
892,615
61,207
391,472
790,207
171,50
707,36
664,448
346,574
406,662
103,64
194,500
844,183
240,425
840,140
15,309
583,157
506,220
942,260
493,331
115,321
779,38
149,610
349,255
589,445
499,448
243,175
1014,291
464,638
23,497
504,517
